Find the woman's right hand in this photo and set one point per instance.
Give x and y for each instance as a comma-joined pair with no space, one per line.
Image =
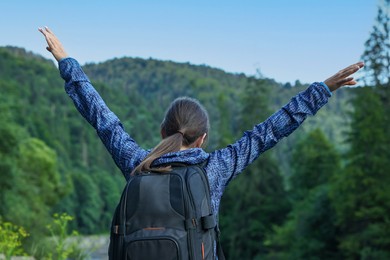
54,45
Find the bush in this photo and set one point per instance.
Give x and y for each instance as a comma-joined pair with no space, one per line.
11,237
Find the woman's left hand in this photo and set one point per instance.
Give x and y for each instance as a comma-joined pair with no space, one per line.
54,45
342,78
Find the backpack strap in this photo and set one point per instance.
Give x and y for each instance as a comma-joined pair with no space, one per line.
209,222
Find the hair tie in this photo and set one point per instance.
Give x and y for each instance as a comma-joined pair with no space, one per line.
180,132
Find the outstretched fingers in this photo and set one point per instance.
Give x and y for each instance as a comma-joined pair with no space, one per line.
351,69
343,77
54,45
348,82
45,33
45,30
48,30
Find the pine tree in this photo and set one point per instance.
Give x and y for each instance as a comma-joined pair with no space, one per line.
377,49
314,161
310,230
361,194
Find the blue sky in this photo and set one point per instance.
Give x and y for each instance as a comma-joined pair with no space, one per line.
287,40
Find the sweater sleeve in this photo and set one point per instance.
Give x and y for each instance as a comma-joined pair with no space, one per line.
123,149
226,163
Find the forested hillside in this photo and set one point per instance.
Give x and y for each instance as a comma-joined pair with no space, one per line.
51,160
138,89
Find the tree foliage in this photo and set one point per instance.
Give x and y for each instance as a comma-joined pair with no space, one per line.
377,49
256,200
361,194
11,238
309,231
313,162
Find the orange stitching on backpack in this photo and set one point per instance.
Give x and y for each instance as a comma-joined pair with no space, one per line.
202,250
154,228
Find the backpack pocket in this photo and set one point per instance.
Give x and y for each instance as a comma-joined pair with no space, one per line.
156,243
159,248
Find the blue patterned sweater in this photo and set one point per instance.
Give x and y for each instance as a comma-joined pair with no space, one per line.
223,165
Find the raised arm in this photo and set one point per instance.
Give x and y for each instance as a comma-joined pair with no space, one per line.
124,150
234,158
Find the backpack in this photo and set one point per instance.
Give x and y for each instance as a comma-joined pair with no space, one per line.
165,216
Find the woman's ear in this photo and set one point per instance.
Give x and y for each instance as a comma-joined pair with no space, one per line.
199,142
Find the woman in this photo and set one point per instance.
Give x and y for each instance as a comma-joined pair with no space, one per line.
185,126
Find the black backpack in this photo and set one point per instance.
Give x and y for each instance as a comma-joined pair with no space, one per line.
165,216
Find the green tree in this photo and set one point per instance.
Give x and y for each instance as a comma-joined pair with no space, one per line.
310,230
88,203
9,138
110,189
39,184
361,193
30,182
377,49
256,200
39,164
314,161
377,60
